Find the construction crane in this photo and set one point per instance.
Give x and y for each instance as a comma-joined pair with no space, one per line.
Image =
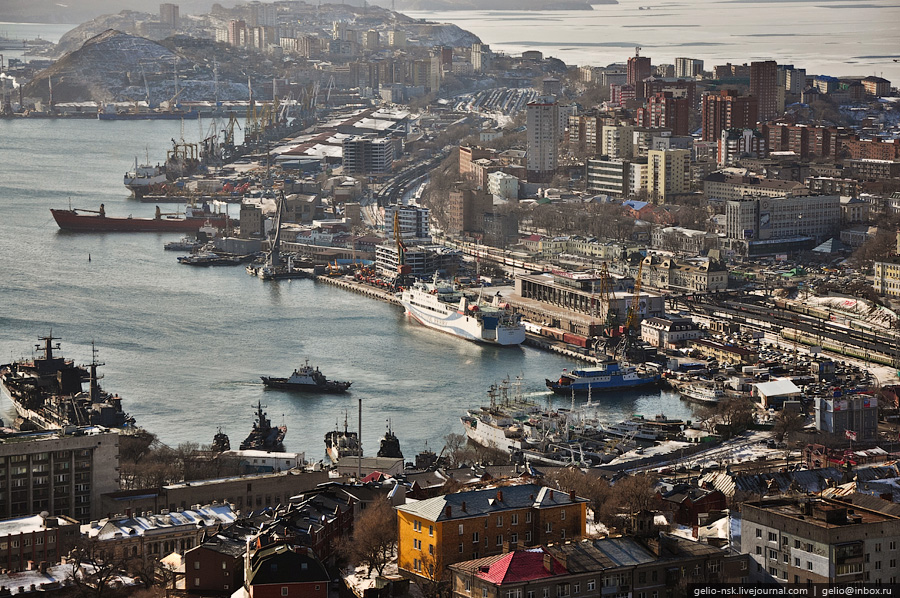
630,347
403,269
610,327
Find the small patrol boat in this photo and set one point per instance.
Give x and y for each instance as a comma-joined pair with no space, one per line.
306,378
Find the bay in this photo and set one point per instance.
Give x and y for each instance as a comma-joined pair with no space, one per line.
185,347
828,37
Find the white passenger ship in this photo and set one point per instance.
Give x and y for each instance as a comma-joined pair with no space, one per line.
437,304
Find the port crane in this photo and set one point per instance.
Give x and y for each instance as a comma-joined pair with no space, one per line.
630,345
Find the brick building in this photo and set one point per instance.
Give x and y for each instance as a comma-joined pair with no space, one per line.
727,110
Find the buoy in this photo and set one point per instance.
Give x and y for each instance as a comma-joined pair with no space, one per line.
89,257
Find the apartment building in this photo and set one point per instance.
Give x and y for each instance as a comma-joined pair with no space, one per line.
763,219
542,122
801,540
668,174
63,472
726,186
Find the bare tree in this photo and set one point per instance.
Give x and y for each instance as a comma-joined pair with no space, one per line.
374,537
789,423
94,569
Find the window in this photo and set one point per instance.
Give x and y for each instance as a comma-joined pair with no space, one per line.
773,537
784,557
417,544
460,548
431,549
468,586
528,517
430,530
796,561
809,565
415,564
224,565
773,554
576,588
877,565
562,515
197,564
460,529
474,537
514,538
562,534
893,563
546,592
528,536
591,585
549,527
878,547
514,519
759,550
417,526
848,568
284,591
196,581
809,547
499,520
517,593
892,545
483,592
530,594
500,540
796,543
758,533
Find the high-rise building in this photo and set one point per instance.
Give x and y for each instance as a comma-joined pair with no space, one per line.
617,142
168,14
668,174
371,40
236,35
603,175
58,472
664,111
466,210
542,126
263,15
638,69
368,155
688,67
727,110
397,38
480,57
764,86
735,144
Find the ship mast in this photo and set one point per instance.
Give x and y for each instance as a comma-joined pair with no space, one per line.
95,385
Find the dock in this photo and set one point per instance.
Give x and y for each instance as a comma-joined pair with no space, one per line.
356,287
545,344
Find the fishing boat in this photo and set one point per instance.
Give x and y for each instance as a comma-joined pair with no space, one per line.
306,378
264,436
609,376
440,306
93,221
48,392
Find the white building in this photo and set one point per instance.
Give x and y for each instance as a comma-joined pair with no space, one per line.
503,185
669,332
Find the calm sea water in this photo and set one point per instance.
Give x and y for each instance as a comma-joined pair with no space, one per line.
185,347
834,37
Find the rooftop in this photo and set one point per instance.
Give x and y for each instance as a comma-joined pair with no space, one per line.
475,503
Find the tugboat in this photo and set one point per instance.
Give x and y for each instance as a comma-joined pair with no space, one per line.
264,436
47,391
308,379
339,445
390,445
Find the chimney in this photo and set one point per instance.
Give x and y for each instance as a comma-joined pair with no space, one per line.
30,566
464,507
448,511
499,495
42,567
551,495
572,495
548,563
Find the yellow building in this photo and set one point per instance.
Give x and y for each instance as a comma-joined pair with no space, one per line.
440,531
668,174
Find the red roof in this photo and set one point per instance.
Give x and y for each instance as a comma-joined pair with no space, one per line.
521,565
375,476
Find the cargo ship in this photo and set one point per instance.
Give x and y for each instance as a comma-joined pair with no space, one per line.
48,394
143,178
96,221
440,306
610,376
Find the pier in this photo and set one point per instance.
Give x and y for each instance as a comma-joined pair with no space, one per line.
359,288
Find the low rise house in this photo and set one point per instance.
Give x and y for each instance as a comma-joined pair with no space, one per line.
669,332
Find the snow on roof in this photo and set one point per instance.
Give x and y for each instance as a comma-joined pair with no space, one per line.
24,525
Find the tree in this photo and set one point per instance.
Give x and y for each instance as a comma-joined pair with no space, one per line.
595,489
788,423
455,448
93,570
374,537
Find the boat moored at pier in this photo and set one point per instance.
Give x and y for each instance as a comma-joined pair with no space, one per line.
609,376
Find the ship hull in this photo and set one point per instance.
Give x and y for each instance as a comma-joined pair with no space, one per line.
598,386
69,220
490,436
283,384
191,115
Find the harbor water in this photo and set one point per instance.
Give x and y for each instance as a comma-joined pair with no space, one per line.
185,346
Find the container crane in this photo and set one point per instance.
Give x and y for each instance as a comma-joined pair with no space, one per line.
403,269
630,346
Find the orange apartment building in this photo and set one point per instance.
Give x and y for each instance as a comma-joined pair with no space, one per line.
440,531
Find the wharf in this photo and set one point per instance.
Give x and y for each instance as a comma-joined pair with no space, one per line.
362,289
539,342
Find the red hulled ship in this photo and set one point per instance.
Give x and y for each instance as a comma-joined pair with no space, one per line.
80,220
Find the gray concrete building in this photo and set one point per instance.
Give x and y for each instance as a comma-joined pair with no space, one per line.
63,472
